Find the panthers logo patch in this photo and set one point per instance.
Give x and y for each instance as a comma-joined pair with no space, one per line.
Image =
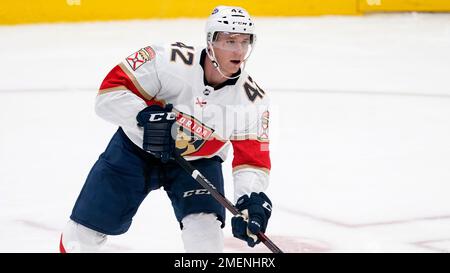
191,134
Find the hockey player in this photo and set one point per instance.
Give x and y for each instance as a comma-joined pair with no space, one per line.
175,98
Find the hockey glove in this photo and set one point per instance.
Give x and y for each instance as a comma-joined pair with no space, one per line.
157,123
255,213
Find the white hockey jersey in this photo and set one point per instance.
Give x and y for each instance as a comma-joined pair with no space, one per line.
209,118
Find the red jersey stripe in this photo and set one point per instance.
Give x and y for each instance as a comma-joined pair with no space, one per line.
251,152
118,77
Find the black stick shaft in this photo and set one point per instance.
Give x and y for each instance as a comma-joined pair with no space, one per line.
221,199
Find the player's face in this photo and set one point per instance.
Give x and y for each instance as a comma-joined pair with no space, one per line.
231,50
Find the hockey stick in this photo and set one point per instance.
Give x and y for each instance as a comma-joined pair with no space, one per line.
221,199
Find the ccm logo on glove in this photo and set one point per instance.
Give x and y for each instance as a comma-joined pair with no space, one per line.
160,116
157,139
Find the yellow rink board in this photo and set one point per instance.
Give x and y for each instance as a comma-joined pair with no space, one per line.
45,11
404,5
33,11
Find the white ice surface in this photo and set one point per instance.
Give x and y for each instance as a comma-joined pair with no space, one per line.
360,129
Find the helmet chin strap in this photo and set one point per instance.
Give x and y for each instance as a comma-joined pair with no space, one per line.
216,63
